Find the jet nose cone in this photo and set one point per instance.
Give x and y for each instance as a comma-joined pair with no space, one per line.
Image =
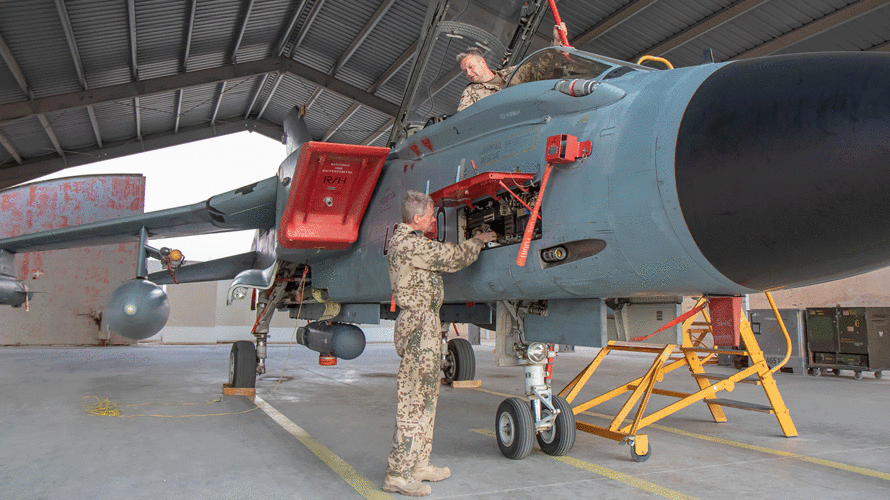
783,168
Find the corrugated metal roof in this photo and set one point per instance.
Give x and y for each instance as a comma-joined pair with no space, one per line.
192,60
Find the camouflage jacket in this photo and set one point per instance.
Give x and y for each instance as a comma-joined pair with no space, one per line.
415,264
476,91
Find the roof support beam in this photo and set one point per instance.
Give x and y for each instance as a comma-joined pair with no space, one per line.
222,88
190,29
700,28
279,50
137,115
379,132
22,109
282,44
95,123
310,18
72,42
178,110
222,91
10,148
345,116
360,38
241,32
13,66
396,66
278,78
131,18
33,169
616,18
814,28
48,128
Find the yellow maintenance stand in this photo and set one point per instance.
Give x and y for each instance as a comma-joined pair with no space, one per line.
695,356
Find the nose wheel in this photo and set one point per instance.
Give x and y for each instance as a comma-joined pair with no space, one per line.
515,429
541,416
559,439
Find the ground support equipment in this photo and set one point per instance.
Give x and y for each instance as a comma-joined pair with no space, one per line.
694,357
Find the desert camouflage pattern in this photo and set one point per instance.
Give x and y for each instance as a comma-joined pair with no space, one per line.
415,264
542,67
476,91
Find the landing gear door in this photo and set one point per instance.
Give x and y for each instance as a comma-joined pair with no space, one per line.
507,335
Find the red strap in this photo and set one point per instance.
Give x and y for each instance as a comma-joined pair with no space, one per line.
392,305
679,319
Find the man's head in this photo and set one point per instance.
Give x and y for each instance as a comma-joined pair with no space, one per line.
417,211
474,66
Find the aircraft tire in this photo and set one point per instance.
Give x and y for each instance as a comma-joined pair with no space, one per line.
559,440
242,365
514,428
460,363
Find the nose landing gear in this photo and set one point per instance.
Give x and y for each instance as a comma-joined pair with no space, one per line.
549,418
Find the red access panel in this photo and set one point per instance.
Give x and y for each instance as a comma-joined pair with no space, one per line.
329,194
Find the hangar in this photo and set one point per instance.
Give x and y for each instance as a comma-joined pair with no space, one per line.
92,80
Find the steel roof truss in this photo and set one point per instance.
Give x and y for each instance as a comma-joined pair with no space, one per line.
188,43
353,47
8,146
814,28
13,66
702,27
240,35
613,21
131,20
95,123
72,42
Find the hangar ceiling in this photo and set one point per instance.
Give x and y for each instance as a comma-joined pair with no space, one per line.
87,80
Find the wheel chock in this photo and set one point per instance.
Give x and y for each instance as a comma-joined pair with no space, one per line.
238,391
463,384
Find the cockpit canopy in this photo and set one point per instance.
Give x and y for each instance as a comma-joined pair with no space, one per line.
504,31
562,63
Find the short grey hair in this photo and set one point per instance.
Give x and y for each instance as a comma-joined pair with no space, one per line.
472,51
414,203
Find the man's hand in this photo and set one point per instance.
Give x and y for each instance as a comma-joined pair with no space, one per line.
557,37
486,237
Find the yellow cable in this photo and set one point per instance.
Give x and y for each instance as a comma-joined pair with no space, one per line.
107,408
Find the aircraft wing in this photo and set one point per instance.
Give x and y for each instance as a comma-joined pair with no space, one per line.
248,207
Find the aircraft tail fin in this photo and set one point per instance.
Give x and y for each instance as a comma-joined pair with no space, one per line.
225,268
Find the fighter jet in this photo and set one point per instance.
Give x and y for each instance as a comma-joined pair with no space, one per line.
604,180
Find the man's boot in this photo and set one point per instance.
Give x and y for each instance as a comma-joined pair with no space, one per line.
411,487
430,473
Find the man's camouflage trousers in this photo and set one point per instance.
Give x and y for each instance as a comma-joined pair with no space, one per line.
417,341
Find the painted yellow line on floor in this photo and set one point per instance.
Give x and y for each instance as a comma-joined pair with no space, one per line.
363,486
613,474
761,449
813,460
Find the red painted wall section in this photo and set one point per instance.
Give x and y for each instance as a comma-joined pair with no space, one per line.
74,285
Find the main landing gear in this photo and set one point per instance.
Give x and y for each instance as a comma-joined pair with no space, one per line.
242,365
458,359
540,413
248,359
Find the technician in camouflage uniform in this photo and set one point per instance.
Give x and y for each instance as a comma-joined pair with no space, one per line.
484,81
415,264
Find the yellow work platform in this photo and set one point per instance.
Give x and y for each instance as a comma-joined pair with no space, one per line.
693,355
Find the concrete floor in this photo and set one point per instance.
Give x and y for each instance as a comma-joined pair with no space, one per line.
51,448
